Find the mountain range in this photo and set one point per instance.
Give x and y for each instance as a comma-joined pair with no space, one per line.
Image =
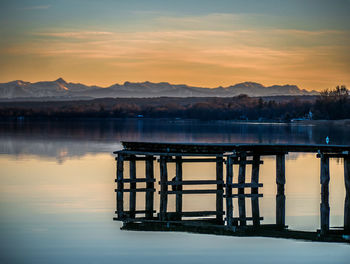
60,89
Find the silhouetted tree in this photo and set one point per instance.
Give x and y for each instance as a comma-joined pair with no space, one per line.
333,104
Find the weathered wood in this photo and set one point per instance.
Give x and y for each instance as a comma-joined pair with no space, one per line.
132,202
198,213
248,218
174,152
347,195
133,157
178,179
324,195
141,219
241,198
194,160
120,186
209,228
209,148
254,190
135,212
136,190
193,191
246,162
219,188
195,182
169,155
136,180
163,188
149,185
229,178
202,222
246,185
280,197
280,173
245,195
333,155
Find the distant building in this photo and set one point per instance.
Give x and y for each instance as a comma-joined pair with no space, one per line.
310,115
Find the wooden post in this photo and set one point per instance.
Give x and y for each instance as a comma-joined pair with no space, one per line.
255,199
149,185
163,188
324,194
219,188
280,197
229,178
178,178
347,195
241,200
132,167
120,186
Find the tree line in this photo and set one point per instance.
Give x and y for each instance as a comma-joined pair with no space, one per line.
330,104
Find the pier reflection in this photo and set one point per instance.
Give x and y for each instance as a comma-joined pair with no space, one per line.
231,215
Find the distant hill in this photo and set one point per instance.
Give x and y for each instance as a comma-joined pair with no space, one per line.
62,90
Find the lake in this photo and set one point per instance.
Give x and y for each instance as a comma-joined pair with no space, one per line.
57,196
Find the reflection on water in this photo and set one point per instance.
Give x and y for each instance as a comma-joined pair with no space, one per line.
302,190
57,197
69,139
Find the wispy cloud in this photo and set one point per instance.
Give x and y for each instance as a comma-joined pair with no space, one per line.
230,55
208,21
199,45
75,34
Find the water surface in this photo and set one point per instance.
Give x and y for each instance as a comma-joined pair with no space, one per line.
57,195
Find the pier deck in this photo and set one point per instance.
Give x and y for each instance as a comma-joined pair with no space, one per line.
157,156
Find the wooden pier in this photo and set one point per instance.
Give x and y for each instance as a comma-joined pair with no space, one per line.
157,156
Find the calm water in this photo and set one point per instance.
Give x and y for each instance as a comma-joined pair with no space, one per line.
57,195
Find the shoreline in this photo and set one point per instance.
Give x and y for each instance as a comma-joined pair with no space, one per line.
343,122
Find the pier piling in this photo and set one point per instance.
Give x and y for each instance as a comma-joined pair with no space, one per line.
280,197
241,197
178,179
163,187
324,194
347,195
229,178
240,155
120,184
132,202
149,185
254,190
219,188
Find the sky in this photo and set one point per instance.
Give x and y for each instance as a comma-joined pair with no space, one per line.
200,43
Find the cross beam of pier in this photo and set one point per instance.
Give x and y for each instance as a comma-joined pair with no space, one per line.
228,189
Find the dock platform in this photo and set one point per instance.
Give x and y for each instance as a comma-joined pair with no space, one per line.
225,220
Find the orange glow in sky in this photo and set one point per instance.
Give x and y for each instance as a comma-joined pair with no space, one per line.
106,42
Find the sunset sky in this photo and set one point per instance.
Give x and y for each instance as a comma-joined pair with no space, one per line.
201,43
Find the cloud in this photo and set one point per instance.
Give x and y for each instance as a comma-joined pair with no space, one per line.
229,48
208,21
75,34
312,57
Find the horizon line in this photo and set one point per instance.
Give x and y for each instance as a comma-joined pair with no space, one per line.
147,81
